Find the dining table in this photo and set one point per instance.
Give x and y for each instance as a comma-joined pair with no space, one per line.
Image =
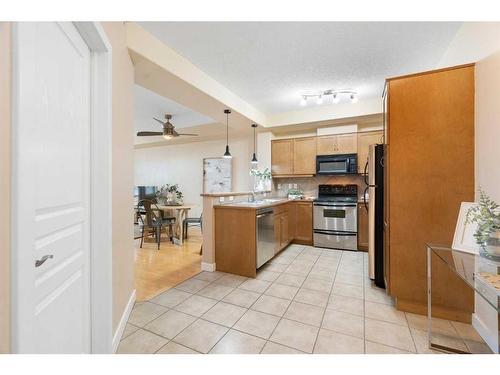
180,212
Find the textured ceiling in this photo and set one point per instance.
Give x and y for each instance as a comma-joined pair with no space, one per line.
269,64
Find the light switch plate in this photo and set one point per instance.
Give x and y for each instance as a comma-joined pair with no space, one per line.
221,199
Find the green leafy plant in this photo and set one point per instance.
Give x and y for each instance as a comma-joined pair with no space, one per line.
170,193
487,217
264,175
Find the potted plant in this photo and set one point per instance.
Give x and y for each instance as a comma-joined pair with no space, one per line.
486,214
169,195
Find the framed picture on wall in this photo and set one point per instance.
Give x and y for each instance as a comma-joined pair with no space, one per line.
217,175
464,232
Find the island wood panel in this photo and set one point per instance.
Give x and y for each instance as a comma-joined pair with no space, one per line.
304,156
431,171
235,241
303,223
282,152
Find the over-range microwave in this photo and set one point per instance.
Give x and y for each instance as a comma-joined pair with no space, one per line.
337,164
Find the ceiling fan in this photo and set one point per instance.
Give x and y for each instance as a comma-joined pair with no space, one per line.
168,130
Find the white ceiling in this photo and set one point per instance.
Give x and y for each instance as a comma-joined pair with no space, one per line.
269,64
148,104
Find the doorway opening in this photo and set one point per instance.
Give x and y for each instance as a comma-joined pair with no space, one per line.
167,201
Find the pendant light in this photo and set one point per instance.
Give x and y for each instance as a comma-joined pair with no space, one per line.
227,154
254,157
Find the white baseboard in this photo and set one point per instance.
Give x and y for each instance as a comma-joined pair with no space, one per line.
123,322
210,267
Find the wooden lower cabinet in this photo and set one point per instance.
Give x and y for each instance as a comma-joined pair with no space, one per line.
303,223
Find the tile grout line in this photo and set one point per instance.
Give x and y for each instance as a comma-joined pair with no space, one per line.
295,296
328,301
274,329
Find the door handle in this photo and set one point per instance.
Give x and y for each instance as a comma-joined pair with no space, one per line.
39,262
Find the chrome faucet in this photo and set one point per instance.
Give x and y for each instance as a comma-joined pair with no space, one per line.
251,197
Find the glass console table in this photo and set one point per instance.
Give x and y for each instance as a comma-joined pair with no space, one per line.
482,276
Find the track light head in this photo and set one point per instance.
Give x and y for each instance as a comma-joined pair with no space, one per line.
354,98
335,98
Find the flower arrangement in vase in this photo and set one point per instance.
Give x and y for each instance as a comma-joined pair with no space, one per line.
169,195
262,180
487,217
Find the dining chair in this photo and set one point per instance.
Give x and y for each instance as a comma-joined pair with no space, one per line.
152,221
192,222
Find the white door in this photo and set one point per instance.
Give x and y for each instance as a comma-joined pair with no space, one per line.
51,188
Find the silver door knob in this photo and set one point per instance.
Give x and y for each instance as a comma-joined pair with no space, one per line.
39,262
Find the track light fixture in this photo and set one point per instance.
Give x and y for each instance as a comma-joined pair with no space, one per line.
335,94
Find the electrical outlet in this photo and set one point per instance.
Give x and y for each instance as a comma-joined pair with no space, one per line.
290,186
295,186
221,199
279,186
231,198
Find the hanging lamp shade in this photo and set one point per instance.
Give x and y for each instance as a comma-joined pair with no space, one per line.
227,154
254,157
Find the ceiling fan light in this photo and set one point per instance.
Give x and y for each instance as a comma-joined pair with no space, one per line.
168,136
227,154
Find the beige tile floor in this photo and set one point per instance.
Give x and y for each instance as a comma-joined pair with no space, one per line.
306,300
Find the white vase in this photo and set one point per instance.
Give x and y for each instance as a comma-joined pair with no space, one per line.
267,184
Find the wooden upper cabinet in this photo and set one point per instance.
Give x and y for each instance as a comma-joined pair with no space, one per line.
282,156
347,143
364,141
337,144
304,156
326,145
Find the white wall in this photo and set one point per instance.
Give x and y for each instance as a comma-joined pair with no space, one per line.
183,164
473,42
488,124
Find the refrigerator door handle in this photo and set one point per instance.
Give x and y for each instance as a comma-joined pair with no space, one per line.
364,198
366,174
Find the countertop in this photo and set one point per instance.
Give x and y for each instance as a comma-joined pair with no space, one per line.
269,202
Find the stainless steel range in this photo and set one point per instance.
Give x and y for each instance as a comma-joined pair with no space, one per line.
335,220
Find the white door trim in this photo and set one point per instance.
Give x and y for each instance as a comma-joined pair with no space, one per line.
100,193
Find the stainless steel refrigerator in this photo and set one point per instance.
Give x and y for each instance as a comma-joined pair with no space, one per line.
375,185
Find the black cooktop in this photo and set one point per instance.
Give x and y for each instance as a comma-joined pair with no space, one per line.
337,193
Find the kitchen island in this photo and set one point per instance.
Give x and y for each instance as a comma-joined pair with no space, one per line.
248,234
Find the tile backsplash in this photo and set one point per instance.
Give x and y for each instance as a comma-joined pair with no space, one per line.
309,185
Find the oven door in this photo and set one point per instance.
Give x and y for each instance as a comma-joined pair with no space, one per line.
336,216
332,165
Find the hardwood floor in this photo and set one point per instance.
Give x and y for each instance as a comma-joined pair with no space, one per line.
157,271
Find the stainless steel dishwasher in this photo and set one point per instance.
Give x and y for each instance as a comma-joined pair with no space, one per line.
265,235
